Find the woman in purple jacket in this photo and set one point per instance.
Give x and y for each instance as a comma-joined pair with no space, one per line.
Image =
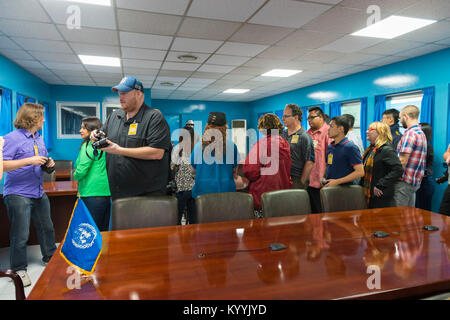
24,159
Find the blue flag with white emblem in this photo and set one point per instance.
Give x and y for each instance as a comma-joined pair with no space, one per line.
82,244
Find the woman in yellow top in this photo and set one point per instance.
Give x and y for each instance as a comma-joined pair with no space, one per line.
90,171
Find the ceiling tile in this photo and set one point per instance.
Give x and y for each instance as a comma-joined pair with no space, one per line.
444,42
177,7
6,43
29,64
173,56
147,41
260,34
174,73
241,49
182,66
208,75
431,33
282,53
90,35
308,39
92,16
55,57
288,13
146,22
351,44
63,66
92,68
95,50
140,71
224,9
393,46
29,10
146,54
141,63
320,56
357,58
384,61
263,62
36,30
428,9
207,29
16,54
44,45
195,45
227,60
216,68
387,7
428,48
339,20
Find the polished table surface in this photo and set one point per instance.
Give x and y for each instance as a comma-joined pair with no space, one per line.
56,188
328,256
63,174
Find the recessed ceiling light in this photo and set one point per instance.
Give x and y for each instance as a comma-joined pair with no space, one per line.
106,3
392,27
236,90
282,73
166,84
187,57
100,61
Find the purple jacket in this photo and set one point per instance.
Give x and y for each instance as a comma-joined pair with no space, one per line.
26,181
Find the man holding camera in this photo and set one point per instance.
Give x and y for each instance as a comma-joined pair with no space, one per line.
138,144
445,205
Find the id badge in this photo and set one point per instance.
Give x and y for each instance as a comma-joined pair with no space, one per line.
36,151
330,158
294,139
133,129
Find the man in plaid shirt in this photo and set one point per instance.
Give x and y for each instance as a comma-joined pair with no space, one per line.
412,151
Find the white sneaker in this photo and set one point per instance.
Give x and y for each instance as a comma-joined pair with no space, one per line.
25,278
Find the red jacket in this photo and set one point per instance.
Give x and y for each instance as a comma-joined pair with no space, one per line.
266,174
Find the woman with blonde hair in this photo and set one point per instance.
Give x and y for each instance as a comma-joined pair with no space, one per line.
215,158
25,158
382,167
270,152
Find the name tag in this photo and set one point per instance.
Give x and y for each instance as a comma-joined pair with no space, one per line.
133,129
315,143
294,139
36,151
330,158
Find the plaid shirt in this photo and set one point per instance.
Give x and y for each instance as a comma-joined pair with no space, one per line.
413,142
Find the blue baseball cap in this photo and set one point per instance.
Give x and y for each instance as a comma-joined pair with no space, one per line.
127,84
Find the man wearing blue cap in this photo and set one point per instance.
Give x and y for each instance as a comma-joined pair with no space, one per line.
137,158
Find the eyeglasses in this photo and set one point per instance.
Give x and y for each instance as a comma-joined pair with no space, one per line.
312,117
287,115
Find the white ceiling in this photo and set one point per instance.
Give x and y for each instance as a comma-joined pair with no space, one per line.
235,41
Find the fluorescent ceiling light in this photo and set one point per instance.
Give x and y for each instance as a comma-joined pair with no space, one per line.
322,95
392,27
396,80
106,3
100,61
236,90
282,73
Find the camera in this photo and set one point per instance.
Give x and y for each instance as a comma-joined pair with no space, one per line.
47,169
443,178
101,141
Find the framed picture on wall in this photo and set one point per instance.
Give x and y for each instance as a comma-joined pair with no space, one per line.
70,114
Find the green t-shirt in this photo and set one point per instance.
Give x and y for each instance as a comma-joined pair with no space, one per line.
91,175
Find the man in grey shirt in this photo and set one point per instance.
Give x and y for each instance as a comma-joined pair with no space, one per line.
301,144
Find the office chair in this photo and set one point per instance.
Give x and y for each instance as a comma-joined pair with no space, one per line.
20,292
289,202
144,212
64,164
224,206
342,198
49,176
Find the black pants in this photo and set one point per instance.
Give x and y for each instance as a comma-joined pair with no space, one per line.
314,198
425,193
185,200
445,204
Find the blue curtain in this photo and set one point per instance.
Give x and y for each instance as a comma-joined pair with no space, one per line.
427,106
363,121
335,109
20,100
305,115
380,107
6,112
279,114
46,129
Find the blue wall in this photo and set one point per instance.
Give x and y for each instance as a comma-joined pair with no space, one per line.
425,71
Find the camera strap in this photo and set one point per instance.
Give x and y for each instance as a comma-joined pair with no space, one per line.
95,154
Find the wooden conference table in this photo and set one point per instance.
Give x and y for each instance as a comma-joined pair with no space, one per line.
63,174
62,196
327,257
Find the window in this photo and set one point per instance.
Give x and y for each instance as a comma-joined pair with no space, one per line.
108,109
400,101
353,108
70,114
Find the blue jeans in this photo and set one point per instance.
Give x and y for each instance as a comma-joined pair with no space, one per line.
185,200
20,211
99,208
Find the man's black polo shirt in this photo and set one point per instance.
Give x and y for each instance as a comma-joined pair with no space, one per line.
129,176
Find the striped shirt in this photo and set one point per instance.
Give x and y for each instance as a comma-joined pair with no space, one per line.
414,143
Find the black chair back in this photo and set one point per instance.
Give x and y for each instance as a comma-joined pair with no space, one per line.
281,203
342,198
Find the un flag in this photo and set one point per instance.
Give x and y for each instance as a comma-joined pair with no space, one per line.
82,244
